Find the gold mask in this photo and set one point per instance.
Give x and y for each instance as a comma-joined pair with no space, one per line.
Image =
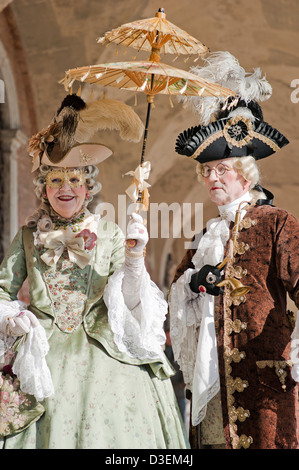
74,178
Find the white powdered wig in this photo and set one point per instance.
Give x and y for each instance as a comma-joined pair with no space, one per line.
224,69
41,216
246,167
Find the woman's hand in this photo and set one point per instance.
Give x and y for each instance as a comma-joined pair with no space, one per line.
21,324
14,320
136,231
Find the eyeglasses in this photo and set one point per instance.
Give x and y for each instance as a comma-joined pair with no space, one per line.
220,169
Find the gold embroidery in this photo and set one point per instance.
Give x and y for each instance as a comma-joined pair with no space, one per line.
232,122
244,441
235,326
231,354
239,300
84,157
235,271
237,356
239,414
267,141
237,384
279,366
240,248
246,222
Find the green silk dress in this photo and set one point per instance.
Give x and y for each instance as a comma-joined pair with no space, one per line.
104,398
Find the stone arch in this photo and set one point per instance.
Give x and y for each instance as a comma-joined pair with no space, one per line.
10,135
17,123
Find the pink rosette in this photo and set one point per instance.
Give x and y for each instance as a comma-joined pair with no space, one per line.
90,238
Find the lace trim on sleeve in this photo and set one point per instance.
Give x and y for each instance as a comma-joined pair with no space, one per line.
30,364
138,332
184,306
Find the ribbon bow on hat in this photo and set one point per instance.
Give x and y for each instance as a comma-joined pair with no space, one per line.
139,184
57,241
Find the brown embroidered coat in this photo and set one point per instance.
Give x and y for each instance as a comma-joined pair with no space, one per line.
259,396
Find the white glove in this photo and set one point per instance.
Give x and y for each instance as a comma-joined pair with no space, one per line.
15,320
134,261
136,230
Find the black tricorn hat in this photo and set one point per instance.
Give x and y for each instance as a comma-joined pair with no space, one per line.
233,127
235,136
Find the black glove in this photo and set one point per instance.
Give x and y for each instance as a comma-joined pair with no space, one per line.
205,280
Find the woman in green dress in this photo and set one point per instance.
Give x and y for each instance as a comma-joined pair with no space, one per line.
88,350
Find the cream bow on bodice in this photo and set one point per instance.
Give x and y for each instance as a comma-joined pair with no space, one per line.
59,240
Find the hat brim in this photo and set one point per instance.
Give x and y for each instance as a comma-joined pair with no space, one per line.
79,155
213,142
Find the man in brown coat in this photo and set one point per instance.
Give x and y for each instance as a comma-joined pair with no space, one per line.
230,329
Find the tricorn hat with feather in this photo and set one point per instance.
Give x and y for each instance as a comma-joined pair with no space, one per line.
66,142
232,128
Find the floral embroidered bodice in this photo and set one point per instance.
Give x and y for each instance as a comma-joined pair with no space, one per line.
67,283
68,286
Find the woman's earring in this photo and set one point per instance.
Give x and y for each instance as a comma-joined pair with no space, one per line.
87,196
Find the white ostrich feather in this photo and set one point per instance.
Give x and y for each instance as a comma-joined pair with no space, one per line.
224,69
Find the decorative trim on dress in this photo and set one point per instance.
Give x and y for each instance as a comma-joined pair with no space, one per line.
280,369
234,355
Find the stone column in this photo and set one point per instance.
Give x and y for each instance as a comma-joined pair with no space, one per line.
11,141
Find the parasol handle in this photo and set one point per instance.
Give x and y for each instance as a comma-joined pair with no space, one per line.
148,114
150,99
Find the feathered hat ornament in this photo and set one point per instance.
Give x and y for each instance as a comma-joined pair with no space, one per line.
224,69
67,140
233,127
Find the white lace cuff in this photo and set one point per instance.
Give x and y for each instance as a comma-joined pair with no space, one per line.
185,314
30,365
138,332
